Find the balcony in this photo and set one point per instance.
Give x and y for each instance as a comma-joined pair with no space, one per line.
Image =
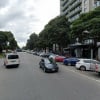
64,9
66,12
75,5
73,18
64,2
76,11
66,6
71,2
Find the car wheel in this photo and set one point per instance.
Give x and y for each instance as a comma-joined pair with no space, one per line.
82,68
6,66
56,70
17,65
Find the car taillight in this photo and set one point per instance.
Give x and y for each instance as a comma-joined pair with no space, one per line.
96,66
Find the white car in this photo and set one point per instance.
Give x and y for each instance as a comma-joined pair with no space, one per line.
87,64
11,59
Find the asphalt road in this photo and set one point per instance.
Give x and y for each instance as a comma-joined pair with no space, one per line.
28,82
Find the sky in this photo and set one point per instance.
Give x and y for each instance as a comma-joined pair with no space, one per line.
24,17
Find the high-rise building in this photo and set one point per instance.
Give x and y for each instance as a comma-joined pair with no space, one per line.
73,8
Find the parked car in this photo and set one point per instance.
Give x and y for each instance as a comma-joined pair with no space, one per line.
70,61
53,56
41,54
11,59
38,53
59,58
48,65
86,64
19,50
34,53
45,54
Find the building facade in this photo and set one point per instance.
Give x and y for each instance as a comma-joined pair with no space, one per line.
73,8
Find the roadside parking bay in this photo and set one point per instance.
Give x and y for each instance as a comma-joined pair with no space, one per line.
88,74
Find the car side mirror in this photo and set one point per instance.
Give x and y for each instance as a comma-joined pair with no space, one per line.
42,61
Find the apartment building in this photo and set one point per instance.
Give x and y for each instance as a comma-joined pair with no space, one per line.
73,8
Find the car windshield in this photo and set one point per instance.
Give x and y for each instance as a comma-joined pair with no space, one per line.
13,57
49,61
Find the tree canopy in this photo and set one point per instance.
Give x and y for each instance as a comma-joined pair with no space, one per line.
57,31
5,38
89,21
32,41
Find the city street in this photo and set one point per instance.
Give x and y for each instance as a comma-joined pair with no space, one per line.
29,82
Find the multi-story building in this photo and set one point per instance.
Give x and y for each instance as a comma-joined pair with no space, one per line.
73,8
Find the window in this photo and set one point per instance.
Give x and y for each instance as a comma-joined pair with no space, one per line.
85,9
85,1
87,61
47,61
95,62
13,57
97,3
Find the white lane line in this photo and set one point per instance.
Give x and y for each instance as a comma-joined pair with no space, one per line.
90,78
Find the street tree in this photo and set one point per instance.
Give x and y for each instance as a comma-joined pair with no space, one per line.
5,38
89,21
57,31
3,41
32,41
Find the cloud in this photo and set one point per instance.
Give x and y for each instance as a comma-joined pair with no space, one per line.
23,17
3,3
17,11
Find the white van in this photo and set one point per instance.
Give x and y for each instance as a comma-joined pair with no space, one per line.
11,59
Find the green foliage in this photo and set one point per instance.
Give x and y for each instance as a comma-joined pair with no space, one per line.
56,31
32,41
88,21
12,42
6,37
3,37
3,40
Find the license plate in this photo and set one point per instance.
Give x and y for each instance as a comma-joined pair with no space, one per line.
13,61
53,69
